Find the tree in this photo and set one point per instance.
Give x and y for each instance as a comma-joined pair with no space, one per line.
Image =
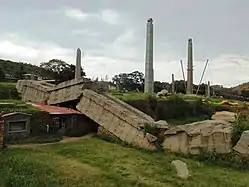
2,75
59,70
20,72
129,81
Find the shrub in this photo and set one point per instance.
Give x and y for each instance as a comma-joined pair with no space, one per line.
8,91
240,125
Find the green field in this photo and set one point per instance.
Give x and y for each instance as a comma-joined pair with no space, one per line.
96,163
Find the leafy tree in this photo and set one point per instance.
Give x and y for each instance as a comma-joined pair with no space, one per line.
129,81
19,73
59,70
2,75
158,86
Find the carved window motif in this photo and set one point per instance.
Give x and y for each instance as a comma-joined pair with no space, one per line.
17,126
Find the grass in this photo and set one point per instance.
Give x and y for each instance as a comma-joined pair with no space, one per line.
10,105
12,101
131,96
96,163
36,139
17,108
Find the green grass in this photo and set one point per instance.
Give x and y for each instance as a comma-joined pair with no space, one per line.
17,108
96,163
131,96
36,139
12,101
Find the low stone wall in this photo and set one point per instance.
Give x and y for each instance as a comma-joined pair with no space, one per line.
116,119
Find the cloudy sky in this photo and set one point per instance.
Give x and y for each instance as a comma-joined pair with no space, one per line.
111,34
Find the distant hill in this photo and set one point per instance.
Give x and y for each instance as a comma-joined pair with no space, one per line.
14,70
240,88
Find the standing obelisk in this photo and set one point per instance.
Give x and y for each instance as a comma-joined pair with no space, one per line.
149,72
190,68
173,84
78,64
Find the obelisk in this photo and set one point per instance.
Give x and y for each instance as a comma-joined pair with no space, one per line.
173,83
208,90
78,64
149,71
190,68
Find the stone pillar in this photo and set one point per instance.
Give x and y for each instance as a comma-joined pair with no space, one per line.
78,64
173,84
149,72
32,76
208,90
190,68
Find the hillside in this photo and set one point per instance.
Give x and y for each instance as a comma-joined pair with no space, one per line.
240,88
13,70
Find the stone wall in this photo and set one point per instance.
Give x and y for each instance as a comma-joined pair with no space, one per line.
116,119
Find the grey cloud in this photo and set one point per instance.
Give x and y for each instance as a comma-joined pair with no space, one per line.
217,28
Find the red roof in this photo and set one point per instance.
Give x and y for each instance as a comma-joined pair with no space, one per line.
54,109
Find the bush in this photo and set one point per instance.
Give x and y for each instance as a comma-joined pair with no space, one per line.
173,108
239,126
8,91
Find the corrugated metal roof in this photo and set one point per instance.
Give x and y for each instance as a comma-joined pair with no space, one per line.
54,109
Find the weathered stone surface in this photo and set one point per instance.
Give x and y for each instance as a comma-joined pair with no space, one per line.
163,92
224,115
66,91
161,124
34,91
181,168
194,138
242,146
116,119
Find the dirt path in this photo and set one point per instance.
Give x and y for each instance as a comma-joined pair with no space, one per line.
64,140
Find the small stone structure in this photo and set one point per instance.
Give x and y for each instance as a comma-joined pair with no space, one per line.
16,125
198,137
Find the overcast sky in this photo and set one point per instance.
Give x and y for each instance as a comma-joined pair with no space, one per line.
111,34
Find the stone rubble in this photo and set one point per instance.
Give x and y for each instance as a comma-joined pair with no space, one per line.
224,115
198,137
242,146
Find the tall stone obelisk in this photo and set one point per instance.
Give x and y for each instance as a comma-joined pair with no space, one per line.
208,89
78,64
149,71
173,83
190,68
